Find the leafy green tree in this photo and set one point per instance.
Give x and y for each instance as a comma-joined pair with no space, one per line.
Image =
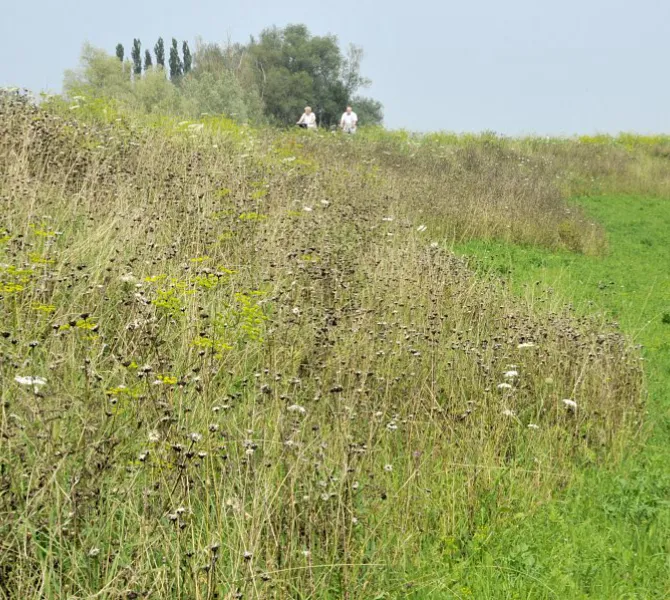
159,49
213,93
136,55
230,66
186,53
294,68
368,110
120,52
147,60
153,93
99,75
176,66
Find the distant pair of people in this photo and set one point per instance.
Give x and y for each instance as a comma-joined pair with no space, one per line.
348,122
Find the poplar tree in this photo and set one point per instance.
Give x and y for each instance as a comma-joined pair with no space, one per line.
147,60
176,66
136,54
188,59
159,49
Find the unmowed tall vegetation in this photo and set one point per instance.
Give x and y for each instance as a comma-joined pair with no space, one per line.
241,363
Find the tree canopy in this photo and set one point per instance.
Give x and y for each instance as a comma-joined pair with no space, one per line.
270,79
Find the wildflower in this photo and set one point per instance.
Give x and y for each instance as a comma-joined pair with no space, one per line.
526,345
195,127
248,555
306,553
509,413
296,311
307,208
195,437
34,381
297,408
421,228
533,426
127,278
387,219
504,386
154,437
93,552
510,374
569,404
325,202
388,468
434,244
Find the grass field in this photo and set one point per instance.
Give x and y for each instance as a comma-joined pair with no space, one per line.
245,363
607,537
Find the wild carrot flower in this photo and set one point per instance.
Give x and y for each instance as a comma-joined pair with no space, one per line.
34,381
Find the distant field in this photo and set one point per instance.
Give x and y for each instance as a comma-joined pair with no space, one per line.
244,363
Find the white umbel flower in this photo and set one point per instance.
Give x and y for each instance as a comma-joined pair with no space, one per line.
28,380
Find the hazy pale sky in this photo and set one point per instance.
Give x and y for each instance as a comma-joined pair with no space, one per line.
511,66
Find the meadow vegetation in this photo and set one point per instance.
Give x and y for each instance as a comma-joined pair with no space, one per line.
242,362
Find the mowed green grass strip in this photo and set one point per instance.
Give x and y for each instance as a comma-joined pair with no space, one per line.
608,535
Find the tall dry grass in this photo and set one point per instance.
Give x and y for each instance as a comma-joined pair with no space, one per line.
262,374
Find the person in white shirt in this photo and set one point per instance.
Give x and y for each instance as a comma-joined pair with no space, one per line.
308,119
349,121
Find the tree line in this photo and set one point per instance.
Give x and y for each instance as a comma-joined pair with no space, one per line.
267,80
179,65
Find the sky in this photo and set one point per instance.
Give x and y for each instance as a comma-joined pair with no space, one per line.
545,67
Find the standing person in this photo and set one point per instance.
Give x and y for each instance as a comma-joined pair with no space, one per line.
349,121
308,119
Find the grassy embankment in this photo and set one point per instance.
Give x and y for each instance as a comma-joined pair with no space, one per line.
261,374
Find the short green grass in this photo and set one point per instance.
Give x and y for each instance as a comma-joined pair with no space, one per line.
609,536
